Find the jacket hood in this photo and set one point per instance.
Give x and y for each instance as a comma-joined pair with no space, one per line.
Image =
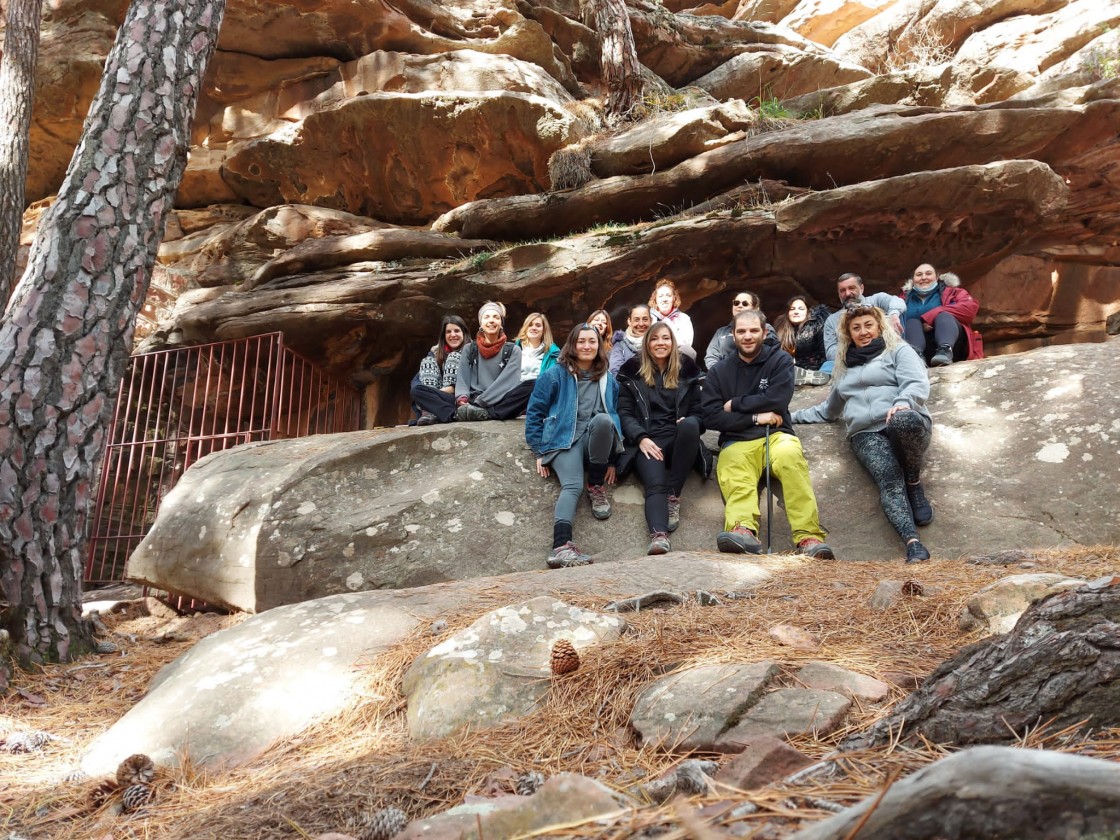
947,279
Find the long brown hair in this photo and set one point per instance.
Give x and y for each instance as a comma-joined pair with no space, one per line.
441,355
546,335
787,332
648,371
608,338
570,360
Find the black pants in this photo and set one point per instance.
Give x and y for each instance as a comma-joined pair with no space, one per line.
946,330
513,403
433,400
662,479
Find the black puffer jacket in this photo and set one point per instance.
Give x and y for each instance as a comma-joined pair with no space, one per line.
634,410
810,339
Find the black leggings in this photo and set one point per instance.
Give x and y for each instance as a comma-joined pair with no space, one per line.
893,457
662,479
946,330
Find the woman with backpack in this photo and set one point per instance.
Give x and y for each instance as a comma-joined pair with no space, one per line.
489,370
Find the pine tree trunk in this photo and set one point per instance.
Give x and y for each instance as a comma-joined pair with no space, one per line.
622,72
17,91
66,338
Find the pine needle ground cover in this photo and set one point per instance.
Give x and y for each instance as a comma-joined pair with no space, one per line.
336,773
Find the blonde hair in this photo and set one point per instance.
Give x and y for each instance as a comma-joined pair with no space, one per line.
546,336
648,371
891,339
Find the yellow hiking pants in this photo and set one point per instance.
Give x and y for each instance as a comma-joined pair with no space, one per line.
741,465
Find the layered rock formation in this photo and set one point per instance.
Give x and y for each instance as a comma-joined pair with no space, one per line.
818,138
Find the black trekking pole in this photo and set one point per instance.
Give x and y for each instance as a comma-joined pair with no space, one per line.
769,495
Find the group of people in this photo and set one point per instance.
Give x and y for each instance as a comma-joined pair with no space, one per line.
611,402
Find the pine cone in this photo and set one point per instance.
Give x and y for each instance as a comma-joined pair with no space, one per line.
564,658
105,646
528,783
101,793
384,824
25,742
136,797
137,769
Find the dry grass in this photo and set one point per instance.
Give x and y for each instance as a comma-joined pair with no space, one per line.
361,760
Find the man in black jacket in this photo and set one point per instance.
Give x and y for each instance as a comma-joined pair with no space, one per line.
744,393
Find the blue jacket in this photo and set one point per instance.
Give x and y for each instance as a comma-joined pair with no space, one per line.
550,419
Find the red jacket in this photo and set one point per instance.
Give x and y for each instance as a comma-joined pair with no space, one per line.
962,306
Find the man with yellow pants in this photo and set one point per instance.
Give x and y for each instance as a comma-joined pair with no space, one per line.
743,394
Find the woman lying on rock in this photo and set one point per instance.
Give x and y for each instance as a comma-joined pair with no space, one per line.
433,388
801,331
659,407
628,343
572,423
490,371
879,389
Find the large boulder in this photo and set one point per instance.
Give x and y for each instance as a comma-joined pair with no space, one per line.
498,669
998,605
240,690
778,72
274,523
409,157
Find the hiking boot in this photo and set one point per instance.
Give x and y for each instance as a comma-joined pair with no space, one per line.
813,547
674,513
600,503
659,543
739,540
567,555
468,413
804,376
919,504
943,356
426,419
916,552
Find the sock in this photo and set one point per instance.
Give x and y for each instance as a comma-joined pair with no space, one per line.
561,533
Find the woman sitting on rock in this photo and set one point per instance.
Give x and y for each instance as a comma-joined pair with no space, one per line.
433,388
938,318
538,354
490,371
666,306
879,389
801,332
628,343
600,319
659,407
572,423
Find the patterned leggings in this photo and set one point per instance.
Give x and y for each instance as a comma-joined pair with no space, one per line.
893,457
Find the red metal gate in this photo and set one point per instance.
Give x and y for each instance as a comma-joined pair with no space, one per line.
176,406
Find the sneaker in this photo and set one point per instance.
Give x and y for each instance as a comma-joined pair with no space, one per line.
674,513
468,413
815,548
919,504
817,377
916,552
659,543
739,540
426,419
567,555
600,503
943,356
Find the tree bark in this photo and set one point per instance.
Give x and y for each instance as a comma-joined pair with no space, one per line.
1060,664
66,337
622,72
999,793
17,92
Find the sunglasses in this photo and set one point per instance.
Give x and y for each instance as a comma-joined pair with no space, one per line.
738,302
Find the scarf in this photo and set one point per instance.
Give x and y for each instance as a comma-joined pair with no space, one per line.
489,351
634,343
857,356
